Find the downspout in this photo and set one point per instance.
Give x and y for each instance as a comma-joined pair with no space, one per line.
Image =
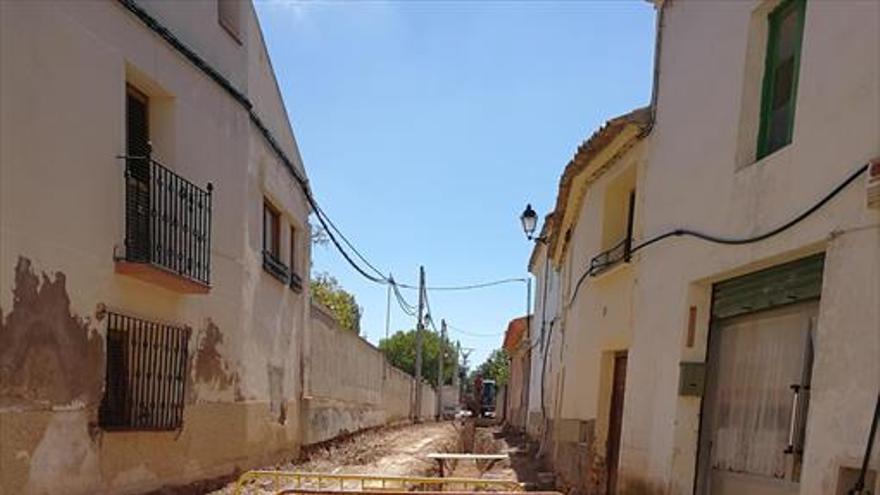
658,50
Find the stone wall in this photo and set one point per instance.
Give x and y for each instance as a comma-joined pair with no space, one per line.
350,386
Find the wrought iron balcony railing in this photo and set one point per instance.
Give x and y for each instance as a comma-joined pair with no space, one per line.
618,253
167,220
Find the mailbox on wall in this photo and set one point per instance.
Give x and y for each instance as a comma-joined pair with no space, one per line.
691,379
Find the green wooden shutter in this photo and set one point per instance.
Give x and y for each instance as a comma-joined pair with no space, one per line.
797,281
784,35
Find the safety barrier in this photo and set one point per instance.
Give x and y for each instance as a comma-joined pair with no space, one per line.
321,483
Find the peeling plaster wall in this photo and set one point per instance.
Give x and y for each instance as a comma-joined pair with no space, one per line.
65,66
350,386
695,141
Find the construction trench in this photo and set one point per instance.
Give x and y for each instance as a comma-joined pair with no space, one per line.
403,451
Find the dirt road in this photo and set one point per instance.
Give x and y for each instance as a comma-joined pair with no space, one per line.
403,450
397,451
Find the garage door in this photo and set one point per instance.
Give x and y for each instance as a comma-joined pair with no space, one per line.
759,372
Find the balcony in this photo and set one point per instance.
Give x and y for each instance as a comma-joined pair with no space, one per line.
608,259
167,228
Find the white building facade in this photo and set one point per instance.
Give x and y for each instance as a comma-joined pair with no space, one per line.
755,358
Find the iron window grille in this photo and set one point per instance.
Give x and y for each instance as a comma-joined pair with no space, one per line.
295,282
167,220
276,267
147,365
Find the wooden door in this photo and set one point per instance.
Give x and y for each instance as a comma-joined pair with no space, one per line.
615,422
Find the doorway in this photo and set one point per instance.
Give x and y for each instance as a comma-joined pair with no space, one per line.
759,372
615,420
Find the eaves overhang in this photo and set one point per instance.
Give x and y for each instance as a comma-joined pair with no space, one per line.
593,157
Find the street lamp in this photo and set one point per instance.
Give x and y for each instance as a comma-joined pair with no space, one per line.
529,221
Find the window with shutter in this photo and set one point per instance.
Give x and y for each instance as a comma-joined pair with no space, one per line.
272,243
137,144
785,31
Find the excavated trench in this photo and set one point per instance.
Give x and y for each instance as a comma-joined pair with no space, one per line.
403,450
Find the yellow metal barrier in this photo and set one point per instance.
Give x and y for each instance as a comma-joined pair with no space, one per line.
366,483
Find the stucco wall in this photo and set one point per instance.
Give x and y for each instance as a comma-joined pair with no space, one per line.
704,78
597,323
65,66
546,364
349,384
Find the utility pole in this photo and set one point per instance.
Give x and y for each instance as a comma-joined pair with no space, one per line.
388,307
387,323
440,357
466,352
419,327
456,378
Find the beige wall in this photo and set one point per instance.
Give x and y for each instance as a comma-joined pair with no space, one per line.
349,384
517,385
546,362
64,70
597,319
696,178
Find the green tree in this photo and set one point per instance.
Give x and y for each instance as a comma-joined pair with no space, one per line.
400,350
495,367
326,290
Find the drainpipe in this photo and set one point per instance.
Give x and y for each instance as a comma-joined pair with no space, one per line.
859,488
658,50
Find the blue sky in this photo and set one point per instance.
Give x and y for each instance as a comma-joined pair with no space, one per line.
425,128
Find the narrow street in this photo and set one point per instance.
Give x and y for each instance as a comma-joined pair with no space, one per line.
323,247
402,451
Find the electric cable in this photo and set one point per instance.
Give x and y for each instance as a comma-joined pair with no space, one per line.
727,240
378,280
348,243
481,285
472,334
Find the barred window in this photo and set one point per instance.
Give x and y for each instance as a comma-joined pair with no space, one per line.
146,372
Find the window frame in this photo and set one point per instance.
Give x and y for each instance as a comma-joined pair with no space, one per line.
774,19
228,24
145,382
272,262
291,258
295,281
275,249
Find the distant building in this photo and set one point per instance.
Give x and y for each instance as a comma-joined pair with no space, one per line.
518,347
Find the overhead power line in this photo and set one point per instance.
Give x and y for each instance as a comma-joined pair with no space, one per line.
348,243
473,334
481,285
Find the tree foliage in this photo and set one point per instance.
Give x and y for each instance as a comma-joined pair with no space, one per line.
400,350
495,367
326,290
